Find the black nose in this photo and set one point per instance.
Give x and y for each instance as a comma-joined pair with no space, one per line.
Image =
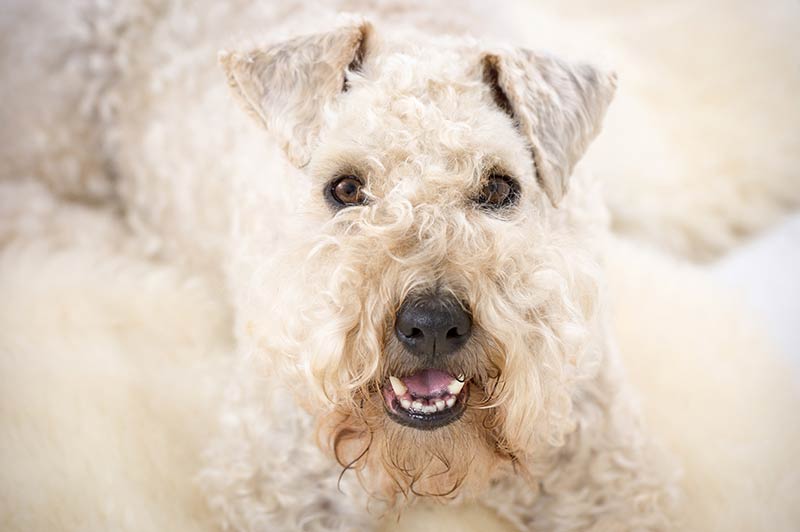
430,325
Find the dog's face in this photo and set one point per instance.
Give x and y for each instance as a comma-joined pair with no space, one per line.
438,302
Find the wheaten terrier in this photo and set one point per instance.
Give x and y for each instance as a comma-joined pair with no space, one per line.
431,323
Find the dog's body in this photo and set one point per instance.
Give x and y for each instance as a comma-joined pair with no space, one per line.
314,432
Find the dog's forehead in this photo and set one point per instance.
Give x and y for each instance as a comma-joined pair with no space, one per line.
424,111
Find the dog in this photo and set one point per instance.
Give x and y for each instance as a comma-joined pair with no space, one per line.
435,307
414,257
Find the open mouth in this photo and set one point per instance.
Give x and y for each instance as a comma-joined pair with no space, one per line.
428,399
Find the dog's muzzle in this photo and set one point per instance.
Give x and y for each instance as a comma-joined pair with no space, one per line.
432,328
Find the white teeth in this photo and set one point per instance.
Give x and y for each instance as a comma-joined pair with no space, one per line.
398,386
456,385
430,405
435,405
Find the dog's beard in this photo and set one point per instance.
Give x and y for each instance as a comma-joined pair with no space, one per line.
521,363
396,463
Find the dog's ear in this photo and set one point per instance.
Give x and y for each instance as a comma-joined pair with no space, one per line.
286,86
558,107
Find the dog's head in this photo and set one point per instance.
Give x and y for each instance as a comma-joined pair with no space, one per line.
437,300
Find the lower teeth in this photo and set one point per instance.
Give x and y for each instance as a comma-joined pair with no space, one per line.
430,406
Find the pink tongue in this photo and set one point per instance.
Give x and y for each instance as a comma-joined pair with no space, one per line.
428,383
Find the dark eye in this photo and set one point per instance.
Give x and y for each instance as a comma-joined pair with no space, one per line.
347,191
499,191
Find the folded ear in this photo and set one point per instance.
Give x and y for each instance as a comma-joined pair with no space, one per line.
285,86
558,107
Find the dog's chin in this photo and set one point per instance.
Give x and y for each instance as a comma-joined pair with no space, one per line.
428,399
439,447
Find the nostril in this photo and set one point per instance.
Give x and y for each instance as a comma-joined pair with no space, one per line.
415,333
453,333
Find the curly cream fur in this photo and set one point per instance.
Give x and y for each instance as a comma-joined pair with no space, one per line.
424,142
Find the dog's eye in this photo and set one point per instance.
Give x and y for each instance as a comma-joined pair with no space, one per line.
499,191
347,191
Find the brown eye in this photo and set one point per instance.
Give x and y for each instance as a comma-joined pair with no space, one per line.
499,191
347,191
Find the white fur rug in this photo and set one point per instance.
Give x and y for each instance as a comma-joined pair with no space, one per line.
765,273
112,365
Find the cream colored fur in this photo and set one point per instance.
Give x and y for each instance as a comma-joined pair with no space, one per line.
560,447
